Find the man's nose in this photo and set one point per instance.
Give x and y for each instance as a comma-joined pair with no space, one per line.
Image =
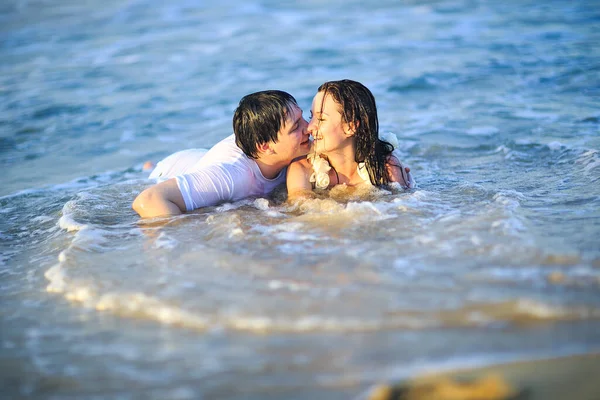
305,124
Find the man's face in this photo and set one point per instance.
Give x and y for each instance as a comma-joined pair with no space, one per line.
293,139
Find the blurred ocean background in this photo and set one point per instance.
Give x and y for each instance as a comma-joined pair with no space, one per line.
494,257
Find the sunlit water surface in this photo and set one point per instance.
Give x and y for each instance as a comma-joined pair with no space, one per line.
495,256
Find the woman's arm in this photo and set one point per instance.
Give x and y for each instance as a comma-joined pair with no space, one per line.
298,179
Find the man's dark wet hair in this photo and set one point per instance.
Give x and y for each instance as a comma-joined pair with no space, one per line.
259,117
357,106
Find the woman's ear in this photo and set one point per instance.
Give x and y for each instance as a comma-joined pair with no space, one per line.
350,128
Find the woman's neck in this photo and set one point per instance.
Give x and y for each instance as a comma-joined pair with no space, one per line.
343,163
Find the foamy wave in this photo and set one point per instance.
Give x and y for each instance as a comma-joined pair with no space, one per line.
66,221
590,161
509,222
420,201
136,305
526,310
554,146
509,199
293,232
559,152
56,277
261,204
391,138
367,208
520,311
164,241
509,226
554,269
141,305
483,131
235,205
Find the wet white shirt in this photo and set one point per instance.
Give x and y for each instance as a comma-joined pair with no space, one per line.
223,173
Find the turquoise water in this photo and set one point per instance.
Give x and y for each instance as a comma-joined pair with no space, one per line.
494,257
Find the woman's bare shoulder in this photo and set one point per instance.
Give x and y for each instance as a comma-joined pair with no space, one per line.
302,162
300,166
298,175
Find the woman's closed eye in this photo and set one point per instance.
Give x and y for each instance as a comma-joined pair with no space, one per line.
320,119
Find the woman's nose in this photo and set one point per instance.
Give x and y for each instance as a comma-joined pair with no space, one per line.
311,126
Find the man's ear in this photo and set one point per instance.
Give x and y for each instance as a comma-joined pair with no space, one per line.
265,148
350,128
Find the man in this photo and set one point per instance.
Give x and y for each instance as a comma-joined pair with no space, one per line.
269,133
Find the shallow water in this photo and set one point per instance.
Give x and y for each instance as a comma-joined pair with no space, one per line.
493,257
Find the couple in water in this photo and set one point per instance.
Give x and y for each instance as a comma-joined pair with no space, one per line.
271,145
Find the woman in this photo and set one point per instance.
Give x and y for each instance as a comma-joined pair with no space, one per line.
347,148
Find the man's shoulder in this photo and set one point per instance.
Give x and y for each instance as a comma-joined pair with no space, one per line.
225,152
227,145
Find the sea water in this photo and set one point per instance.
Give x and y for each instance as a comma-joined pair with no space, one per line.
495,255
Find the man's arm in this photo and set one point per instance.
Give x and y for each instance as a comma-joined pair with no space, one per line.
399,173
163,199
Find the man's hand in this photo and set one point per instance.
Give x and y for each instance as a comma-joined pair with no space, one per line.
399,173
160,200
408,178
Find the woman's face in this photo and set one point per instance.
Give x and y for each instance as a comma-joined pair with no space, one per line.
328,130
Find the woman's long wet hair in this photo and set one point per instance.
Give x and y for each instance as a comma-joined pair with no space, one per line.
357,105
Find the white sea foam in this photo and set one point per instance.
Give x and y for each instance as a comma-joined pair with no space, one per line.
509,199
554,146
165,241
67,222
287,231
109,298
508,223
502,149
337,264
525,141
416,198
235,205
292,286
236,232
261,204
452,216
366,207
482,131
141,305
56,277
590,161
